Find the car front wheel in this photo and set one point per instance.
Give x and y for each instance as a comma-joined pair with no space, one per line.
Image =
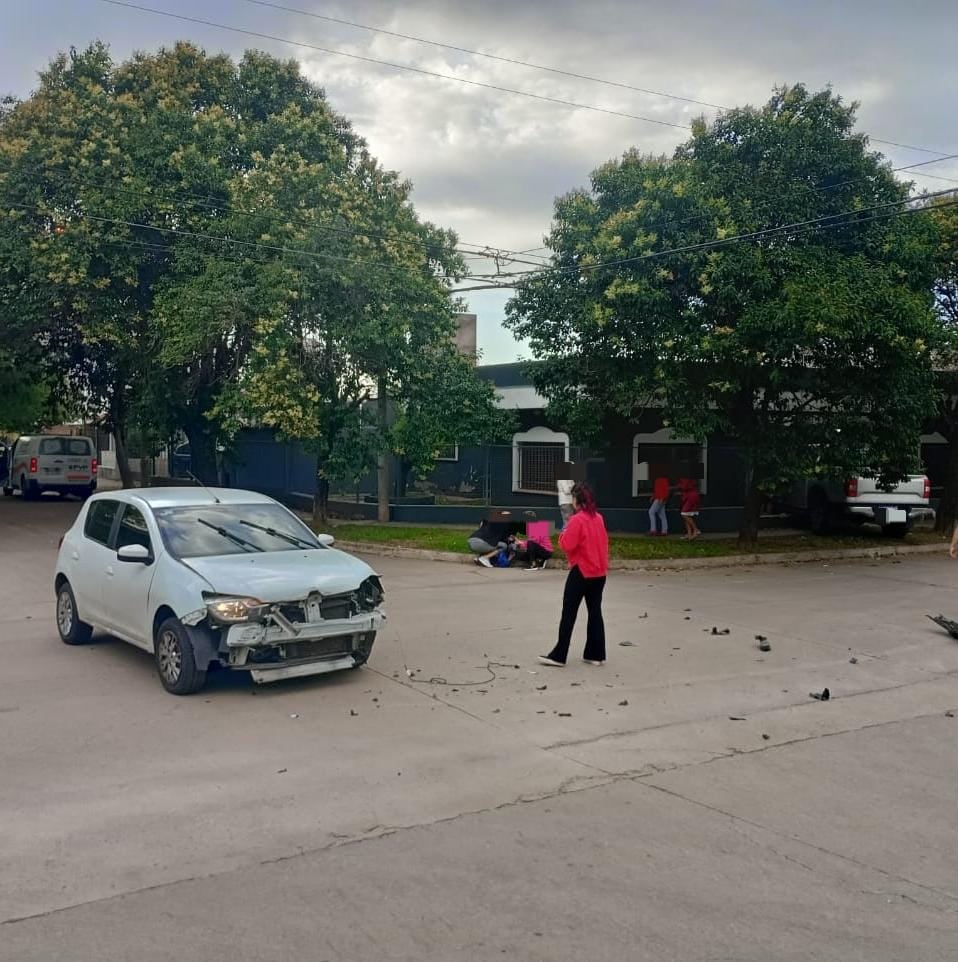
176,659
72,630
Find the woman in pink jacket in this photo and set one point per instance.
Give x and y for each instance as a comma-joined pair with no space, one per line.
586,545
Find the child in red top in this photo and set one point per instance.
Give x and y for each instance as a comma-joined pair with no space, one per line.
586,545
658,501
691,503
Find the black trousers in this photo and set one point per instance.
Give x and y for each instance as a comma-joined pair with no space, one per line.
576,588
535,553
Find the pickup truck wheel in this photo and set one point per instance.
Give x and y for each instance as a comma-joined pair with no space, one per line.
28,490
819,513
176,660
896,530
72,631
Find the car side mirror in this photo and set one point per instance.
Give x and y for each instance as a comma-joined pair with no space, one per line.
326,540
134,554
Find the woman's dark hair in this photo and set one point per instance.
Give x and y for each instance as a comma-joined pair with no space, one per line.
584,498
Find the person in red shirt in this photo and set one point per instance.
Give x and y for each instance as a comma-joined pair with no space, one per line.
586,544
691,504
659,499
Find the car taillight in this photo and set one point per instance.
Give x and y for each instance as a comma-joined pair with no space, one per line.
851,488
94,465
33,465
927,488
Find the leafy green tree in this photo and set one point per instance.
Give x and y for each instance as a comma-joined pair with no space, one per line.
808,349
945,215
445,404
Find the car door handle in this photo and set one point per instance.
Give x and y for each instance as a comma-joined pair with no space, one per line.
109,571
75,555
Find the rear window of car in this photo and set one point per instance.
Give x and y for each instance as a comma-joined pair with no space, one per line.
99,520
77,447
190,532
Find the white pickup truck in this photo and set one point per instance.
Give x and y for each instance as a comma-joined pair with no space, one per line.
860,500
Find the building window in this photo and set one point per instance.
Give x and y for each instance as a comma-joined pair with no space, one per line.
536,456
450,453
661,453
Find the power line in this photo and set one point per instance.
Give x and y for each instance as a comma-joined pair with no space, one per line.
483,53
711,244
799,226
533,66
251,245
398,66
486,252
679,222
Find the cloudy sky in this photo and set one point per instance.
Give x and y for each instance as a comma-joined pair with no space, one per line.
489,163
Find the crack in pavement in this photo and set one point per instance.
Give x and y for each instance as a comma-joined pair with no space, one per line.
572,785
710,718
568,786
715,810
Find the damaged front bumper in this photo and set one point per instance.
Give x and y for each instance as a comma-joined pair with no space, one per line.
277,648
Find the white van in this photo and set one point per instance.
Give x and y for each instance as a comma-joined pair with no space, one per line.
51,462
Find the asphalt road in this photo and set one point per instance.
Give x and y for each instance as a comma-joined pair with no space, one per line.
688,801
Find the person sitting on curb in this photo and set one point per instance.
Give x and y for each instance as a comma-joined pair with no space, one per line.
538,548
488,540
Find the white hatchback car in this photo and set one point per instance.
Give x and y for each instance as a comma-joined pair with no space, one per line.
204,576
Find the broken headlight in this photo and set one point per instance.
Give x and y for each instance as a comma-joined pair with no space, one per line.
229,610
370,594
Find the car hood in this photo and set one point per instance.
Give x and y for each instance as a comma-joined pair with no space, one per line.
275,576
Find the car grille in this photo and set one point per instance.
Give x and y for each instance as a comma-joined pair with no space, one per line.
331,608
341,645
340,607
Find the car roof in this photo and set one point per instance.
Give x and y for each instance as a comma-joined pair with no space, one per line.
44,437
186,497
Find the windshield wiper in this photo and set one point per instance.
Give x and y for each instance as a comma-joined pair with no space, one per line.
235,538
289,538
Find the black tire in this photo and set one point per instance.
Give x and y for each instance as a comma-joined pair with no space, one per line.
819,513
71,629
176,660
7,492
896,530
84,493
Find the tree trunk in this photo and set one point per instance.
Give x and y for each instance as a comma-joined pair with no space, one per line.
203,460
948,508
320,498
404,471
122,457
383,464
751,514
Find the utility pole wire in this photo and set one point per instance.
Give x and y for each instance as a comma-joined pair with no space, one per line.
532,66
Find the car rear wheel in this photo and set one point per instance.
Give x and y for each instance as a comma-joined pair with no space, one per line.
28,489
176,659
72,630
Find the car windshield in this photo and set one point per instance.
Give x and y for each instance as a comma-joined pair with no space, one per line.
202,531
